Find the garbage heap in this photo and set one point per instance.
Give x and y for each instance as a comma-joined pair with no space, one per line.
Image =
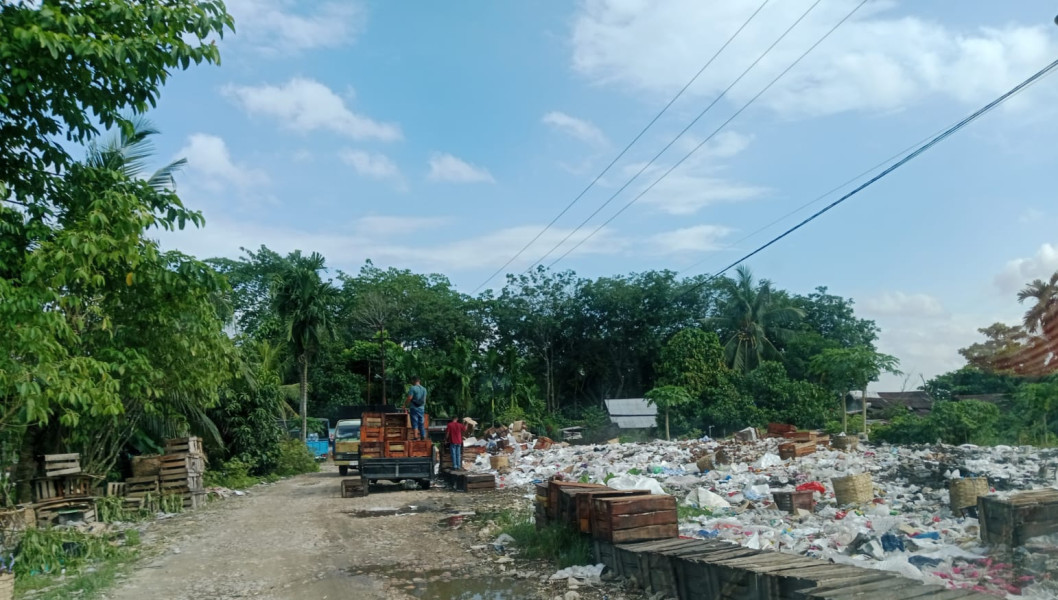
879,506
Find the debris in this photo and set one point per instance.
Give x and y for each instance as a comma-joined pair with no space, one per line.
581,574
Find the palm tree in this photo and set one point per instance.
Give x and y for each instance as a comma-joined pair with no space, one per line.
129,151
1042,319
751,318
304,303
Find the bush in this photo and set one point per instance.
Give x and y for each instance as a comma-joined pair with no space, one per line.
557,542
234,474
295,459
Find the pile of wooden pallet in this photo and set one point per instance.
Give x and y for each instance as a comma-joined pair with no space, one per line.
605,513
389,435
63,493
179,471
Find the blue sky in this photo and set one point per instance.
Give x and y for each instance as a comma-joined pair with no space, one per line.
445,136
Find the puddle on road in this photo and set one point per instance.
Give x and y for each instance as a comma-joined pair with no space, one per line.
389,511
450,585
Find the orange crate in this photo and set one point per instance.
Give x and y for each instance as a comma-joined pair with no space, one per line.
396,449
419,448
371,420
371,449
396,420
391,434
370,434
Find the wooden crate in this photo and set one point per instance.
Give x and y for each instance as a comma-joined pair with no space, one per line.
370,434
1013,520
194,500
188,445
75,486
397,420
176,484
555,488
634,518
796,449
371,420
566,511
780,429
132,503
395,434
420,448
372,449
146,466
354,487
791,501
466,481
57,465
116,489
584,504
395,449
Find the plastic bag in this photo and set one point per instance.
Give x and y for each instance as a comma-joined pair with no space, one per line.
814,486
703,498
635,482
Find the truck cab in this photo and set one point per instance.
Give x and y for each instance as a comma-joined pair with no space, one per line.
346,444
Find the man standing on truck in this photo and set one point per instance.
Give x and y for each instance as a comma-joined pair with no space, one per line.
417,399
454,437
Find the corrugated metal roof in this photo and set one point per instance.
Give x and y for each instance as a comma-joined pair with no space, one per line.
632,413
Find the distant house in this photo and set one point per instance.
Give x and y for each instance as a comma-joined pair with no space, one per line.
917,402
632,413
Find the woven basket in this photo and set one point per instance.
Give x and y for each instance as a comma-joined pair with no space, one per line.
854,489
964,492
845,442
7,586
13,525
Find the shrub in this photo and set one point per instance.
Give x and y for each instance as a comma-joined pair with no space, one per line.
234,474
295,459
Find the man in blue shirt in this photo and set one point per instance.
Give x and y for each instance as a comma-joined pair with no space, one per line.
417,399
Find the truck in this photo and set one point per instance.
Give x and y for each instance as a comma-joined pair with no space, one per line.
388,451
347,445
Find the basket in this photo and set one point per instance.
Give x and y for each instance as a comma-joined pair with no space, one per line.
7,586
13,525
854,489
845,442
964,492
146,466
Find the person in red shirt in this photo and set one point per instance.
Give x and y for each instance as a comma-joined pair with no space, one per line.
454,436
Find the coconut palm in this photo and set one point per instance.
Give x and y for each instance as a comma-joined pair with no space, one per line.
305,304
129,152
1042,319
751,318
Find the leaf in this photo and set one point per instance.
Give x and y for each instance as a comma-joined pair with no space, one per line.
128,279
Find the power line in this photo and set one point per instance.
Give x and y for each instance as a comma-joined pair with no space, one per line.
920,150
627,147
713,134
822,196
669,145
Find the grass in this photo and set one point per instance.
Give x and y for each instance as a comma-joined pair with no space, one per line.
90,564
556,543
685,512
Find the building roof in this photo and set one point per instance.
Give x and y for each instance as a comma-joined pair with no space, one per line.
917,401
632,413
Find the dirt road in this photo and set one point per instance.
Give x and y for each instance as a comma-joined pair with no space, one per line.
298,539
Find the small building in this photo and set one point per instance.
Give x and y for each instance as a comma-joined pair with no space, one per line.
632,413
917,402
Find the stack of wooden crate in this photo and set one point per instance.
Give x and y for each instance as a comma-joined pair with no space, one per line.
609,515
63,492
389,435
181,470
796,449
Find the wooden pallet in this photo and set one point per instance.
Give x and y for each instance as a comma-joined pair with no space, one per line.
634,518
354,487
185,483
138,487
47,489
57,465
54,512
132,503
189,445
76,486
194,499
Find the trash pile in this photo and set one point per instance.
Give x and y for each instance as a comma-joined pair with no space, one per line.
905,525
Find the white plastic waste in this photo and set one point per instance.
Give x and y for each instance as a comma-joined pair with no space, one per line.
584,574
703,498
636,482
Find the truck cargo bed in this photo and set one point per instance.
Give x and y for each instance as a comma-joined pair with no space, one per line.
397,468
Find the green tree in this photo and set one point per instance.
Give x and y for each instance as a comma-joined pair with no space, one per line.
1036,404
783,400
667,398
968,421
305,304
752,317
693,359
842,370
1042,318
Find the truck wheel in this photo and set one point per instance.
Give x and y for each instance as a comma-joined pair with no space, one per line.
343,470
424,484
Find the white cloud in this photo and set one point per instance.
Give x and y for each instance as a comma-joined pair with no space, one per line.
875,61
1020,271
700,238
224,236
445,167
370,164
305,105
900,304
208,156
584,131
276,26
926,348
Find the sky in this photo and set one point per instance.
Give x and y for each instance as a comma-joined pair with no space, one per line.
444,137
